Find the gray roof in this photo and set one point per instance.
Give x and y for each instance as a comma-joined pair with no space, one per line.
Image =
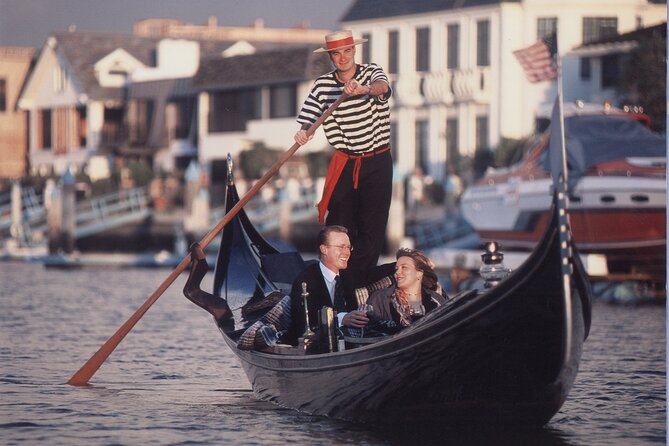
83,49
376,9
262,68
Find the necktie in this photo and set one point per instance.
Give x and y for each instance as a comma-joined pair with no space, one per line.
339,301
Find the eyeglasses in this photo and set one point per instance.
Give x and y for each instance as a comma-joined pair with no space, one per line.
342,247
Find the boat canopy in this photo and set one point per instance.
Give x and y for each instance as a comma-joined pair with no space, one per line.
594,139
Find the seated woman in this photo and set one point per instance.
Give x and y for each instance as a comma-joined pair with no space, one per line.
415,293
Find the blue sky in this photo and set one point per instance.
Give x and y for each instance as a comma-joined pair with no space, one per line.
29,22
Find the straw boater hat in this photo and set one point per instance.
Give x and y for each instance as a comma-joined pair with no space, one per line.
339,40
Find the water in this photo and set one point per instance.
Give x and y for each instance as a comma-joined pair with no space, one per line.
172,381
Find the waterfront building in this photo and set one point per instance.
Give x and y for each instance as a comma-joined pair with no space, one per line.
15,62
458,88
254,99
112,96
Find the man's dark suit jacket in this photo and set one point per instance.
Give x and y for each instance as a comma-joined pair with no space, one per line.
319,297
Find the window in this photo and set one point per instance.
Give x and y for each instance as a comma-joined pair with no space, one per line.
393,52
596,28
45,129
421,144
140,117
483,43
610,70
481,132
585,68
546,27
452,151
3,95
81,126
423,49
453,46
229,111
283,101
59,79
184,110
366,48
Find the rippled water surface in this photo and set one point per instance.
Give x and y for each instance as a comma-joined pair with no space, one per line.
173,381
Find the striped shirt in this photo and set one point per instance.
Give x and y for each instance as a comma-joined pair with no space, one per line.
361,124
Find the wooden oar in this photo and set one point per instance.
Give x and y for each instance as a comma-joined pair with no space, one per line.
93,364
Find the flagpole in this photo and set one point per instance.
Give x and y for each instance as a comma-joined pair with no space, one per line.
563,146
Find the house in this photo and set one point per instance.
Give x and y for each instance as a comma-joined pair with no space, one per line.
602,63
457,87
75,97
110,96
257,33
15,63
254,99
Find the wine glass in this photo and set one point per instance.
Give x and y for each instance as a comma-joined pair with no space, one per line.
367,309
416,311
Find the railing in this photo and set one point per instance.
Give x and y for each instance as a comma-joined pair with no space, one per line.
33,212
266,214
92,216
109,211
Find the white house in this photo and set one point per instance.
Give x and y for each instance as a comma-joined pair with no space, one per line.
457,85
74,96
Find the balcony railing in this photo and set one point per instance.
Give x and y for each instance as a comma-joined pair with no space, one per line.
444,87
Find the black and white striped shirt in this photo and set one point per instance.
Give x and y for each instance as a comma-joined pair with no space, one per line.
361,124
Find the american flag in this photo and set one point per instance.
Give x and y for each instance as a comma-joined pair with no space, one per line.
538,61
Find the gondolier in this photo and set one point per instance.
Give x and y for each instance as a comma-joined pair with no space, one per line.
358,186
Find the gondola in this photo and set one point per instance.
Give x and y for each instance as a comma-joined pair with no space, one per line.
508,354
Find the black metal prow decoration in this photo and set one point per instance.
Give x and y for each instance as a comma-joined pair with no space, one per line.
308,333
308,341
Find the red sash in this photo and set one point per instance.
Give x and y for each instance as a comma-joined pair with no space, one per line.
337,164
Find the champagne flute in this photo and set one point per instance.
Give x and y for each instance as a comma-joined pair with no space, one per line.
416,312
367,309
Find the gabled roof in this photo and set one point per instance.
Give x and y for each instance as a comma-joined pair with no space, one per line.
83,49
376,9
267,67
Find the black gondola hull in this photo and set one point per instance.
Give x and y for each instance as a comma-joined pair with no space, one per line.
507,355
490,359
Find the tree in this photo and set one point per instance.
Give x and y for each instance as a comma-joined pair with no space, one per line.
255,161
643,80
511,150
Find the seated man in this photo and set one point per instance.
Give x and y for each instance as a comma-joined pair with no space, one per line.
325,286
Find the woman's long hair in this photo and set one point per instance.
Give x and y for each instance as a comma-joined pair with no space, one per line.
422,263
